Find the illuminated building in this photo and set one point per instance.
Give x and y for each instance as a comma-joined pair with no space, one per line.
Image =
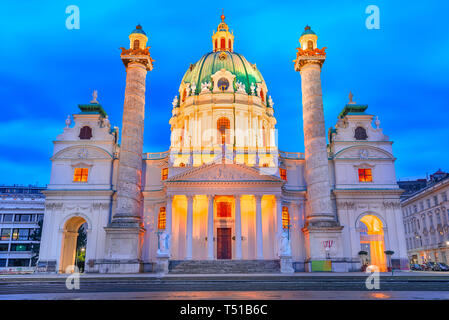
426,220
223,191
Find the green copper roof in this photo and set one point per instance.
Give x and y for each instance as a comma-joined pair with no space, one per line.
235,63
92,108
307,30
353,109
139,30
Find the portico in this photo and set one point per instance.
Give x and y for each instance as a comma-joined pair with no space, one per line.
212,216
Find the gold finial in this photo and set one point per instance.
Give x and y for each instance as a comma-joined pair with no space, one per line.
222,15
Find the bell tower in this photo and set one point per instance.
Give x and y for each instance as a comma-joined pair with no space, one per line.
321,222
125,232
222,39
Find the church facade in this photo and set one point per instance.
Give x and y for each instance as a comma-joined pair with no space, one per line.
223,198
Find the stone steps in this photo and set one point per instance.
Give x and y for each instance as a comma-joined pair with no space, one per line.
223,266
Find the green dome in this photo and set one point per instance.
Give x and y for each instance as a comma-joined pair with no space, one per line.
235,63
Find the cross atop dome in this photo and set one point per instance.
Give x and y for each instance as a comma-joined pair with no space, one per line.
222,39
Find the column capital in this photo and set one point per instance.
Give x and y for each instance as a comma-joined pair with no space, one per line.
258,197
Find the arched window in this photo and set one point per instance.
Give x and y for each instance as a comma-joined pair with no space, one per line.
161,219
164,173
264,135
285,218
223,127
222,44
85,133
216,44
360,133
229,44
310,45
283,173
262,96
184,94
136,44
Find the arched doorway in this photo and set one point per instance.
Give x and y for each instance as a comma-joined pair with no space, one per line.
73,247
372,241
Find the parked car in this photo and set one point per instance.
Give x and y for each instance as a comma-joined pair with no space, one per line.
424,267
442,266
431,266
415,267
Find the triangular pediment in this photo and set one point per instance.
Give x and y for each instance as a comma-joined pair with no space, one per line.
226,173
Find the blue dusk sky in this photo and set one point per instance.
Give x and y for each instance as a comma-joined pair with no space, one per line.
401,70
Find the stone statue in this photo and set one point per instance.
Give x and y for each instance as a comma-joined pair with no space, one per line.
270,101
240,87
175,102
253,88
163,243
377,122
351,96
94,97
192,88
68,121
285,248
106,122
205,87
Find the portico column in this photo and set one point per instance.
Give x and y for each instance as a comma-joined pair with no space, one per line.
238,228
259,236
168,220
210,228
189,227
278,223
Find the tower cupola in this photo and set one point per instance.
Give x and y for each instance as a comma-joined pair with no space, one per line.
138,38
308,39
222,39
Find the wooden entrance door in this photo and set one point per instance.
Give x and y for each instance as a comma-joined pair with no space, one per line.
223,243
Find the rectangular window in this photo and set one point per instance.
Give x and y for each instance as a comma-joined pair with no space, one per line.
4,247
15,234
283,174
2,263
6,234
428,203
40,217
80,175
18,262
285,218
8,218
365,175
435,200
223,209
161,221
164,174
24,234
20,247
25,218
444,196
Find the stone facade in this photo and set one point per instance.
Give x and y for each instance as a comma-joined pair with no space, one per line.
425,215
223,193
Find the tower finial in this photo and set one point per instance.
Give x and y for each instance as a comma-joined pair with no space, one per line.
351,96
94,96
222,15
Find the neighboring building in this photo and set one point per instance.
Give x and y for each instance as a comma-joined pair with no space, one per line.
223,191
426,221
21,209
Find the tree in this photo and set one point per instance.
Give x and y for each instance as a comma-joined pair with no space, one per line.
35,247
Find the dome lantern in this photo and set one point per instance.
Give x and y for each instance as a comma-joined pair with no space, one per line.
308,39
138,38
222,39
